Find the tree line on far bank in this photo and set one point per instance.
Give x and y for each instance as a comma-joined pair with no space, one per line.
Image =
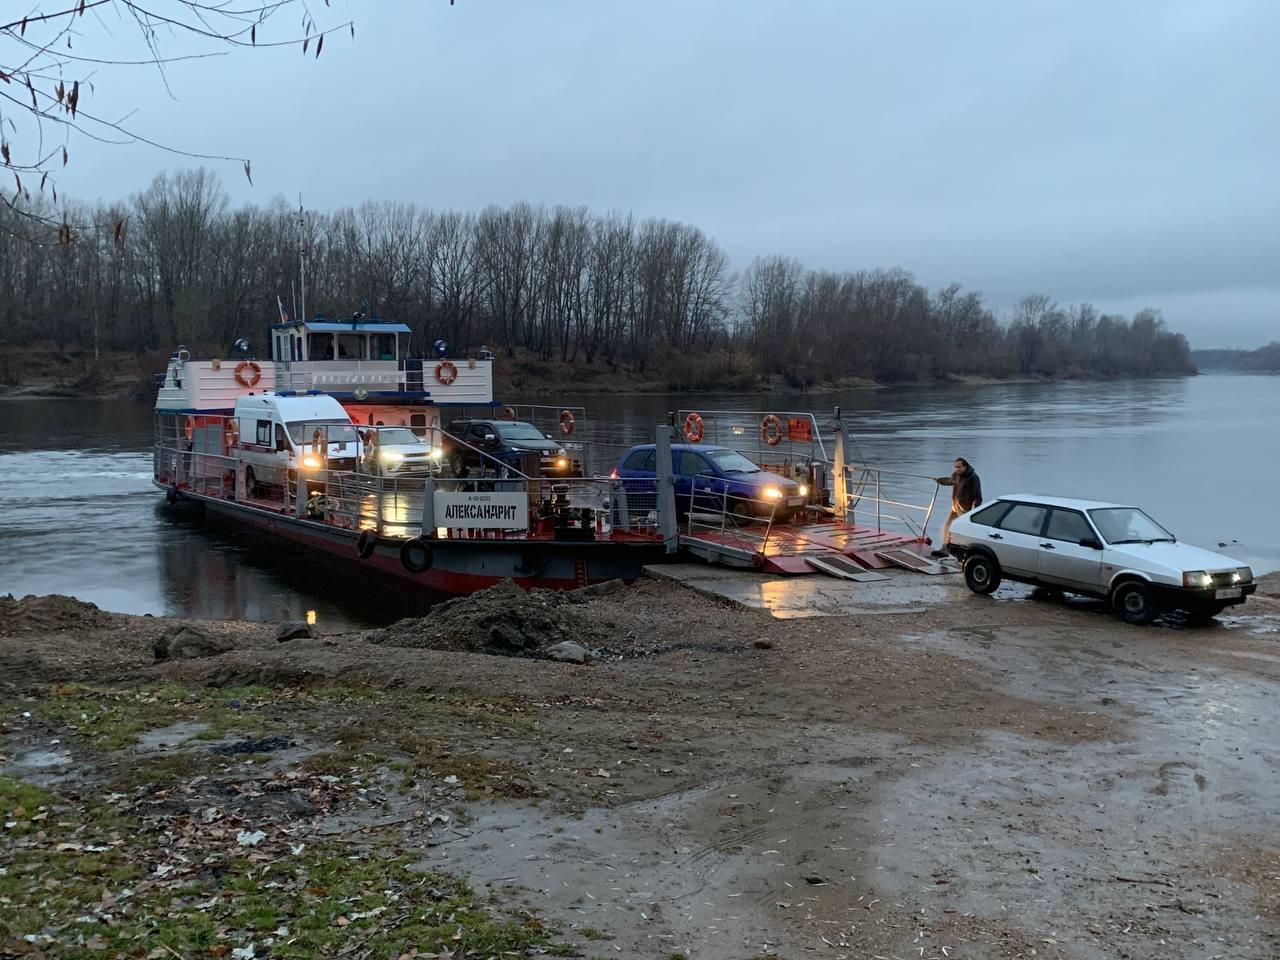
1264,359
175,264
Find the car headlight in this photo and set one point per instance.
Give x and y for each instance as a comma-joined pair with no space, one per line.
560,452
562,463
391,456
1197,578
772,493
804,491
436,453
1243,575
310,461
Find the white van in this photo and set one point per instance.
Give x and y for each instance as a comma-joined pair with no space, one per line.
281,434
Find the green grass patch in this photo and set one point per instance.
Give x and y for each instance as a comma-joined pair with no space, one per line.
97,884
110,719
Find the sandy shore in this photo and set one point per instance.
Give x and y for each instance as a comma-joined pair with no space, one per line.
976,779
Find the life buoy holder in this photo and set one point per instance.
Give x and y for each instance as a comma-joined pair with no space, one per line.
366,543
248,373
415,555
566,422
231,433
189,428
446,372
694,428
771,430
508,413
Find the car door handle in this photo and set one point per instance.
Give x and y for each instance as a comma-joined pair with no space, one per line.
1047,546
994,536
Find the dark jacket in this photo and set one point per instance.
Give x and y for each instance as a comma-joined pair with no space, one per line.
966,489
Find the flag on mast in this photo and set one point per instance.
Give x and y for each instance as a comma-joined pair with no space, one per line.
284,317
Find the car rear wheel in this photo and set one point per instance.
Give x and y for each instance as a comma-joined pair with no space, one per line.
250,483
1134,603
982,573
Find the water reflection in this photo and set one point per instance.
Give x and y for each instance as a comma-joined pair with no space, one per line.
215,569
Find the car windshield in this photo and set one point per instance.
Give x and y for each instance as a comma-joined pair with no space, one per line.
730,461
520,431
302,431
1128,525
399,435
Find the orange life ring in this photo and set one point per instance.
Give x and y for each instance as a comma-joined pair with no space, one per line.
508,413
446,372
566,422
189,428
694,429
771,430
255,373
231,433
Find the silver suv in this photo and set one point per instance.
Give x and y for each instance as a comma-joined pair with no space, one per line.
1097,549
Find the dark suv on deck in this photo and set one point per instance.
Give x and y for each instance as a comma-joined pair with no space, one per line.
497,446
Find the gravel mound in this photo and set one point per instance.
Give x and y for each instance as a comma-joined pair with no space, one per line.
47,614
504,619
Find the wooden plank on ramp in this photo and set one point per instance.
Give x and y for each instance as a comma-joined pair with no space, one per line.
844,568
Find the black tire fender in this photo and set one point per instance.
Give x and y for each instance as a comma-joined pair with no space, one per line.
416,555
366,543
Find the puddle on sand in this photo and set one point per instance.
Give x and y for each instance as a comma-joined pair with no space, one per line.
174,735
41,767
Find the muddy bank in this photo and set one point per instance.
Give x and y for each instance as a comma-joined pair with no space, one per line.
972,779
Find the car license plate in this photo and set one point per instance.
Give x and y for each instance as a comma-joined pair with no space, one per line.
795,501
1229,594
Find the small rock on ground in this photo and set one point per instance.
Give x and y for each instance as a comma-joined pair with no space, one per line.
568,652
186,642
294,630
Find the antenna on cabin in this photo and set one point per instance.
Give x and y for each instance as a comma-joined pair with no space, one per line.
302,258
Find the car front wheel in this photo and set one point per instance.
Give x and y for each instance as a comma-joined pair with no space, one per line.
982,573
1134,603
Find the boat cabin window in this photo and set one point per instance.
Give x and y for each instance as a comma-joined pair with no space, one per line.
382,346
320,346
263,438
351,346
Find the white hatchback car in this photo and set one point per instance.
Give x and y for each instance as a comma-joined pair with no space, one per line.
1103,550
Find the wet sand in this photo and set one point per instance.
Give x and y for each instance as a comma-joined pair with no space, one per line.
970,778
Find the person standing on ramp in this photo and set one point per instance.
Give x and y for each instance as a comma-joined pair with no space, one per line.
966,495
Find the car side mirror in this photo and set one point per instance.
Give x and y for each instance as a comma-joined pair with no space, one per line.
1093,543
489,438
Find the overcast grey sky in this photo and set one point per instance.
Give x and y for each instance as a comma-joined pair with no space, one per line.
1123,153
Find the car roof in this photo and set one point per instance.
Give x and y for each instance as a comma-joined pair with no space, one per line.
1071,503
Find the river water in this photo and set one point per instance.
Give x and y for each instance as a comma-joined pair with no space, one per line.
78,513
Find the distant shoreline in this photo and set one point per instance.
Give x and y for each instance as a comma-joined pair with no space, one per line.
623,389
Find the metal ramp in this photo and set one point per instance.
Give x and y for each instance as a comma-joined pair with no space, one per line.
910,560
844,568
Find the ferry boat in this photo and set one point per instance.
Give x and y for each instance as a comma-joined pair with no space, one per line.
339,442
291,447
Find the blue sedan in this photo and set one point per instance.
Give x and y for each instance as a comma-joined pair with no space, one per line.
712,478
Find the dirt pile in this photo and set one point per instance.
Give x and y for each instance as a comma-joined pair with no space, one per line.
53,613
503,619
